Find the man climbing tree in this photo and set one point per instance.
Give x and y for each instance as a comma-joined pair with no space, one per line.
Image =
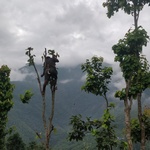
50,74
50,71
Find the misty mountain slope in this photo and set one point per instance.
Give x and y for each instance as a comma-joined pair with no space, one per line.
69,100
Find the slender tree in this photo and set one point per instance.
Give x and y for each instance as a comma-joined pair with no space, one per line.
6,103
131,7
131,66
48,124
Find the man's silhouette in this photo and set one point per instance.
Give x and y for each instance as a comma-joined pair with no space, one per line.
50,71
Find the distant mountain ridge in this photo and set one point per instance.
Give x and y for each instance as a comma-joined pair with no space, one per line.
70,100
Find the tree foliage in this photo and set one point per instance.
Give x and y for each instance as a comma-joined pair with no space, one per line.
127,51
127,5
136,129
97,78
6,103
26,97
134,66
103,130
135,69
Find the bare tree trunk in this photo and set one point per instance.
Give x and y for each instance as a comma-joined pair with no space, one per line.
48,128
51,127
142,125
44,120
127,110
128,125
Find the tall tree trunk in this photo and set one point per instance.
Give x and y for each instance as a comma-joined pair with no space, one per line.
142,125
127,110
44,119
51,127
136,14
128,125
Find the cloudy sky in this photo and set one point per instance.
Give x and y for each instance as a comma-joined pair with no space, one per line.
76,29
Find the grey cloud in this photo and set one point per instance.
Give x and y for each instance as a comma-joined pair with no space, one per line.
77,29
16,75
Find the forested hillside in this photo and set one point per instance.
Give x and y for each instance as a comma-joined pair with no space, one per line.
70,100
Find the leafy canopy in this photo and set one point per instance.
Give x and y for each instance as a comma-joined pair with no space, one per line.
98,76
103,130
127,5
6,103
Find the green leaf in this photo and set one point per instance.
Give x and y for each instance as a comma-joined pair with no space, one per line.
26,97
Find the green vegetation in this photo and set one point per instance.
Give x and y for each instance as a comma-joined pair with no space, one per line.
6,103
98,77
26,97
69,101
102,130
15,142
134,66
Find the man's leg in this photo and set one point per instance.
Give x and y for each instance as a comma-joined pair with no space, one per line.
45,83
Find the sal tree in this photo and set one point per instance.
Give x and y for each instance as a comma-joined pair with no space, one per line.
6,103
128,53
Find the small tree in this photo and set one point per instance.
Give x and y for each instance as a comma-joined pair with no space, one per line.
6,103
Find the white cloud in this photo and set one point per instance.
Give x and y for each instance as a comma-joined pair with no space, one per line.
65,81
77,29
16,75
